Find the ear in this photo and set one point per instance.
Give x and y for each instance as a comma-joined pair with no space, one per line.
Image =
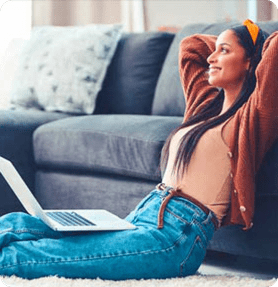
248,64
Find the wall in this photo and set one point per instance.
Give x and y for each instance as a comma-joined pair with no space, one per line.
15,22
179,13
264,10
274,12
174,13
76,12
158,12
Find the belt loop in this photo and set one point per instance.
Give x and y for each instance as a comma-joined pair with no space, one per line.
161,186
172,193
162,209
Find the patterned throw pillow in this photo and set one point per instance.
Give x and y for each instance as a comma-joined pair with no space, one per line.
62,68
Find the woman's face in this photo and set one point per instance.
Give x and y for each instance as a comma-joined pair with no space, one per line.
227,64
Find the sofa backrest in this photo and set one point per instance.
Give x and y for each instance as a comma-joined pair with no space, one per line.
169,98
132,76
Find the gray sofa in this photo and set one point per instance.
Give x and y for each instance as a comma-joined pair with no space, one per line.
110,159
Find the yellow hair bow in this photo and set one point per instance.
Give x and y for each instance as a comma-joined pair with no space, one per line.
253,29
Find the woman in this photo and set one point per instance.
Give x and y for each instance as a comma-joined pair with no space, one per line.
209,165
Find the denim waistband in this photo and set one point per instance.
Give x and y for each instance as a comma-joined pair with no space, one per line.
169,192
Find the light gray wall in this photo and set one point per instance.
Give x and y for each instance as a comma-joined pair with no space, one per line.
178,13
264,10
76,12
173,13
274,11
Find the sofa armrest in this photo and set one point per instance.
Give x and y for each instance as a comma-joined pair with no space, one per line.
16,132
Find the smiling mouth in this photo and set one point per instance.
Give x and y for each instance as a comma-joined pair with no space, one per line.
213,70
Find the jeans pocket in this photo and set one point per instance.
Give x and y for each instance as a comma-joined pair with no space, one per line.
194,258
140,206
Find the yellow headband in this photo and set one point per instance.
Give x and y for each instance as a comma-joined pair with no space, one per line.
253,29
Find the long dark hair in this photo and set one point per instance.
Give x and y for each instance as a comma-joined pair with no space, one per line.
209,115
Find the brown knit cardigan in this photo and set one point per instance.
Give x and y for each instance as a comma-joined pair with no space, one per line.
254,127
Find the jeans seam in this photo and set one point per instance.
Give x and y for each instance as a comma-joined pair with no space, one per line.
24,230
6,230
91,258
177,216
202,244
189,254
201,229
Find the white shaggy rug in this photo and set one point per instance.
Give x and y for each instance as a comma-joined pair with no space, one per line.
191,281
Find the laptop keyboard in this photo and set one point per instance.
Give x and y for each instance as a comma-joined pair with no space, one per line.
69,218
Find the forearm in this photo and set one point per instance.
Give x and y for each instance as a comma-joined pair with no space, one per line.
194,51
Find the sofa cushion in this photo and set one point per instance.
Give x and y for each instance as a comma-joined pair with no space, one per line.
132,76
63,68
118,144
169,98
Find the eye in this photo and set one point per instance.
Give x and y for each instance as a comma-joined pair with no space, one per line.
224,50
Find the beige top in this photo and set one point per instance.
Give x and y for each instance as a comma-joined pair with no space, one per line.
210,160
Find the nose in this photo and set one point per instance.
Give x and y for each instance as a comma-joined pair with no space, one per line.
211,58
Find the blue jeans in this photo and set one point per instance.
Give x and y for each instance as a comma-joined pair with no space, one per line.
30,249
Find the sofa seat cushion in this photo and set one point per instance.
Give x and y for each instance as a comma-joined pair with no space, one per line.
127,145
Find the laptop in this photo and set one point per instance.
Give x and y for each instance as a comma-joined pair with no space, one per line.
61,220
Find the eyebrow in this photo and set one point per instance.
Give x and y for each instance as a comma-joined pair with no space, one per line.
223,44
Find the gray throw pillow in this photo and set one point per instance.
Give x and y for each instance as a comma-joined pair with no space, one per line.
63,68
131,78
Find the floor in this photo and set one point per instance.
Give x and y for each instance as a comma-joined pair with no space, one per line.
217,263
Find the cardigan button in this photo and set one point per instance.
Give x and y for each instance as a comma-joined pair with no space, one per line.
230,154
231,175
242,208
235,191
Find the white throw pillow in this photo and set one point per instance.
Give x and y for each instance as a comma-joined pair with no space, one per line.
63,68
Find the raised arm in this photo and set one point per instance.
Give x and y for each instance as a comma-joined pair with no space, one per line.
260,114
193,66
266,91
265,98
